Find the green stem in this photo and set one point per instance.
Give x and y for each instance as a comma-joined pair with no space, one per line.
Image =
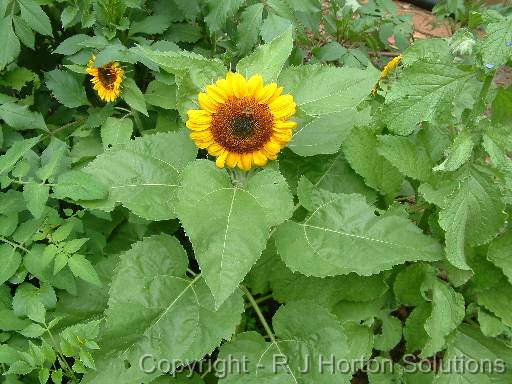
257,309
260,300
138,122
482,97
61,357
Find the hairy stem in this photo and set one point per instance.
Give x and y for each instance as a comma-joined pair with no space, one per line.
257,309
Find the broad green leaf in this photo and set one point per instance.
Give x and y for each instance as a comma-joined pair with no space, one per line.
66,88
10,260
21,118
472,214
78,185
328,172
410,158
11,45
497,300
36,195
143,174
320,90
54,160
495,47
268,60
32,302
470,345
448,311
490,325
15,153
155,309
344,235
458,153
24,32
133,96
249,27
10,322
116,131
150,25
82,268
274,25
424,92
500,254
193,72
299,335
502,105
415,335
409,282
325,134
361,149
161,95
33,331
219,12
32,13
18,78
229,225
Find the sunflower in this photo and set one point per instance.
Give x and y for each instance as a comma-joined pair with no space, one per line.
244,123
107,79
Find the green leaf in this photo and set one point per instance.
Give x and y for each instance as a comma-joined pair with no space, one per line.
78,185
15,153
499,254
116,131
193,72
325,134
299,335
150,25
82,268
415,335
494,48
54,160
390,334
143,174
32,13
10,260
24,32
409,282
328,172
32,302
410,158
448,311
497,300
458,153
229,225
18,78
36,195
133,96
320,90
268,60
249,27
219,12
11,45
33,331
21,118
161,95
472,214
274,26
344,235
66,88
425,92
502,105
9,321
152,299
469,344
361,149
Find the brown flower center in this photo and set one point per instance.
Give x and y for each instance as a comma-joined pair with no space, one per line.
107,76
242,125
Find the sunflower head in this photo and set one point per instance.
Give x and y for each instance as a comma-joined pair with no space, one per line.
106,79
244,123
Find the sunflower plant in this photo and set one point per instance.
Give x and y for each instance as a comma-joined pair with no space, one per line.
189,194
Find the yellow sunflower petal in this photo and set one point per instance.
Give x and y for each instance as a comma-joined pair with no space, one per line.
254,84
215,149
283,136
259,158
201,135
221,159
207,103
245,161
238,84
265,93
216,93
199,116
233,159
278,125
283,107
225,86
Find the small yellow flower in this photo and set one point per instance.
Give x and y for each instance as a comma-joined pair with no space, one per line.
244,123
385,72
106,79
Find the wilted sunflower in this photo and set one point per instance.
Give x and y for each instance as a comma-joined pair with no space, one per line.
107,79
242,122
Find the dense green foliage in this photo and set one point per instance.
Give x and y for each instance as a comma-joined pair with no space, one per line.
382,231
